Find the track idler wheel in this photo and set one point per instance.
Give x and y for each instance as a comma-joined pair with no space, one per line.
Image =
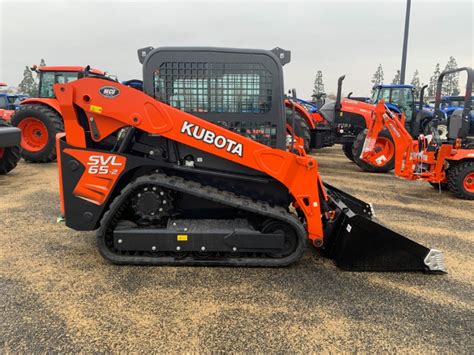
290,241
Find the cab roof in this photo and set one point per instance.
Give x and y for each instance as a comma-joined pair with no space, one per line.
394,86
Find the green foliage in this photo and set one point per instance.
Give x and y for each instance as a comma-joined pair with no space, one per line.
433,81
396,78
318,84
415,81
377,78
451,81
29,84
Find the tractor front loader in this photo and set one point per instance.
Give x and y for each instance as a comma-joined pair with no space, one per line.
196,170
443,163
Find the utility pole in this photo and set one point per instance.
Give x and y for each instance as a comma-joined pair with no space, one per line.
405,43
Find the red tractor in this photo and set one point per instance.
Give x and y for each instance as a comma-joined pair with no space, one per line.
339,122
40,119
444,163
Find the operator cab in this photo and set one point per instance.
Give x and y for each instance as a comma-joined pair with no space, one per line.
400,96
239,89
48,76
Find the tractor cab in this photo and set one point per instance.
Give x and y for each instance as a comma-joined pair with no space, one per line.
398,98
48,76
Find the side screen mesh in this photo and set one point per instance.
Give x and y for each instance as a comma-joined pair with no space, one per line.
214,87
262,132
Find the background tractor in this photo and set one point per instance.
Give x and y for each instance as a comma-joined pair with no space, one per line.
7,103
40,118
9,146
444,163
399,99
337,122
449,104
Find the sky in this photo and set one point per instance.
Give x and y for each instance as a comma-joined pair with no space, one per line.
336,37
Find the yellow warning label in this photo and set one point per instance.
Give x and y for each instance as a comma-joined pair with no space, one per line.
182,237
96,109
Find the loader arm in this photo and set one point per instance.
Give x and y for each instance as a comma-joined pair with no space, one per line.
133,108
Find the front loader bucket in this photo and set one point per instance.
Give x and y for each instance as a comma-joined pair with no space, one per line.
356,242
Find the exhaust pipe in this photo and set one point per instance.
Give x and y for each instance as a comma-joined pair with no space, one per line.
357,243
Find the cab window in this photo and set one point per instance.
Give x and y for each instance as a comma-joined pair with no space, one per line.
403,98
48,79
214,87
3,102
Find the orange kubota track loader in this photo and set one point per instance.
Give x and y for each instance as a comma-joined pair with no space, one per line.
192,172
443,163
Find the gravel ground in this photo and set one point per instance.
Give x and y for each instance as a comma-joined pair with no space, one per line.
58,294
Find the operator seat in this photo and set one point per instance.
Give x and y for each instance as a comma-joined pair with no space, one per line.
458,125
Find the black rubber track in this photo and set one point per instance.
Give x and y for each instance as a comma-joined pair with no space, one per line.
357,150
11,155
52,121
111,218
456,175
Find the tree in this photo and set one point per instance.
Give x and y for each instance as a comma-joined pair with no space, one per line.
396,78
28,85
318,84
415,81
451,81
377,78
434,81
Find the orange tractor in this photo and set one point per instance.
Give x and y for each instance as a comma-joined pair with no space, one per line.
196,170
445,163
339,122
40,119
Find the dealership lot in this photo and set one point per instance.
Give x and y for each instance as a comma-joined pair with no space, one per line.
58,294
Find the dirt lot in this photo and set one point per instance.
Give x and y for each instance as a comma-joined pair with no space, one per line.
58,294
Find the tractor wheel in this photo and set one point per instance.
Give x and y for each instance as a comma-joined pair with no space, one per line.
347,149
9,157
441,128
384,147
301,128
39,125
461,179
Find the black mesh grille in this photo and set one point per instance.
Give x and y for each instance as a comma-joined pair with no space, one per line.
262,132
214,87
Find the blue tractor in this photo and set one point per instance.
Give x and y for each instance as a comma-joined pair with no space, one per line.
449,104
